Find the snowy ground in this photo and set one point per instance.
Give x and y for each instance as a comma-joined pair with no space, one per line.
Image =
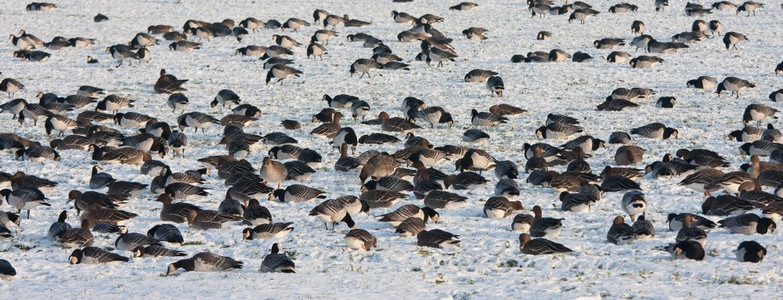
489,264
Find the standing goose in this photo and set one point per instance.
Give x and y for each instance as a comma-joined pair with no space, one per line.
438,55
495,85
13,107
196,120
479,75
758,113
25,198
334,212
620,233
731,39
734,85
582,14
267,231
381,198
703,82
634,204
749,6
411,227
275,262
364,66
94,255
226,97
406,211
204,262
556,130
328,129
540,246
273,172
360,239
396,124
486,118
323,36
168,84
11,86
281,72
114,103
285,41
297,193
700,179
437,238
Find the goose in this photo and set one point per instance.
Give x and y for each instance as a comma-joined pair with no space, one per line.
748,224
285,41
7,271
196,120
273,171
644,61
691,233
381,198
267,231
402,17
209,219
545,227
436,54
700,179
251,50
540,246
364,66
11,86
402,213
749,6
443,200
621,233
360,239
500,207
275,262
643,228
25,198
464,6
204,262
334,212
175,212
297,193
156,251
634,203
676,221
437,238
226,97
687,249
94,255
475,33
731,39
582,14
255,214
734,85
122,53
557,131
411,227
281,72
130,241
166,233
750,251
73,237
388,183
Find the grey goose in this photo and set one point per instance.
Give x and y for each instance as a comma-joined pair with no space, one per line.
734,85
175,212
196,120
251,50
464,6
10,86
758,113
285,41
281,72
623,7
297,193
582,14
204,262
156,251
267,231
748,224
656,131
94,255
645,61
122,53
37,56
276,262
479,75
25,198
731,39
638,27
620,233
323,36
184,45
500,207
544,36
475,33
703,83
402,17
437,238
749,6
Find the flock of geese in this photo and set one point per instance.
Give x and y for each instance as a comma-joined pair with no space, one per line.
105,125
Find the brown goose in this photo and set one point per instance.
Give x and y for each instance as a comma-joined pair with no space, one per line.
168,84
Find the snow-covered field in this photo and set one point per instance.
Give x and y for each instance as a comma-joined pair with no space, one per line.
488,264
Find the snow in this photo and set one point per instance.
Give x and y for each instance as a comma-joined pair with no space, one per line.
488,264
